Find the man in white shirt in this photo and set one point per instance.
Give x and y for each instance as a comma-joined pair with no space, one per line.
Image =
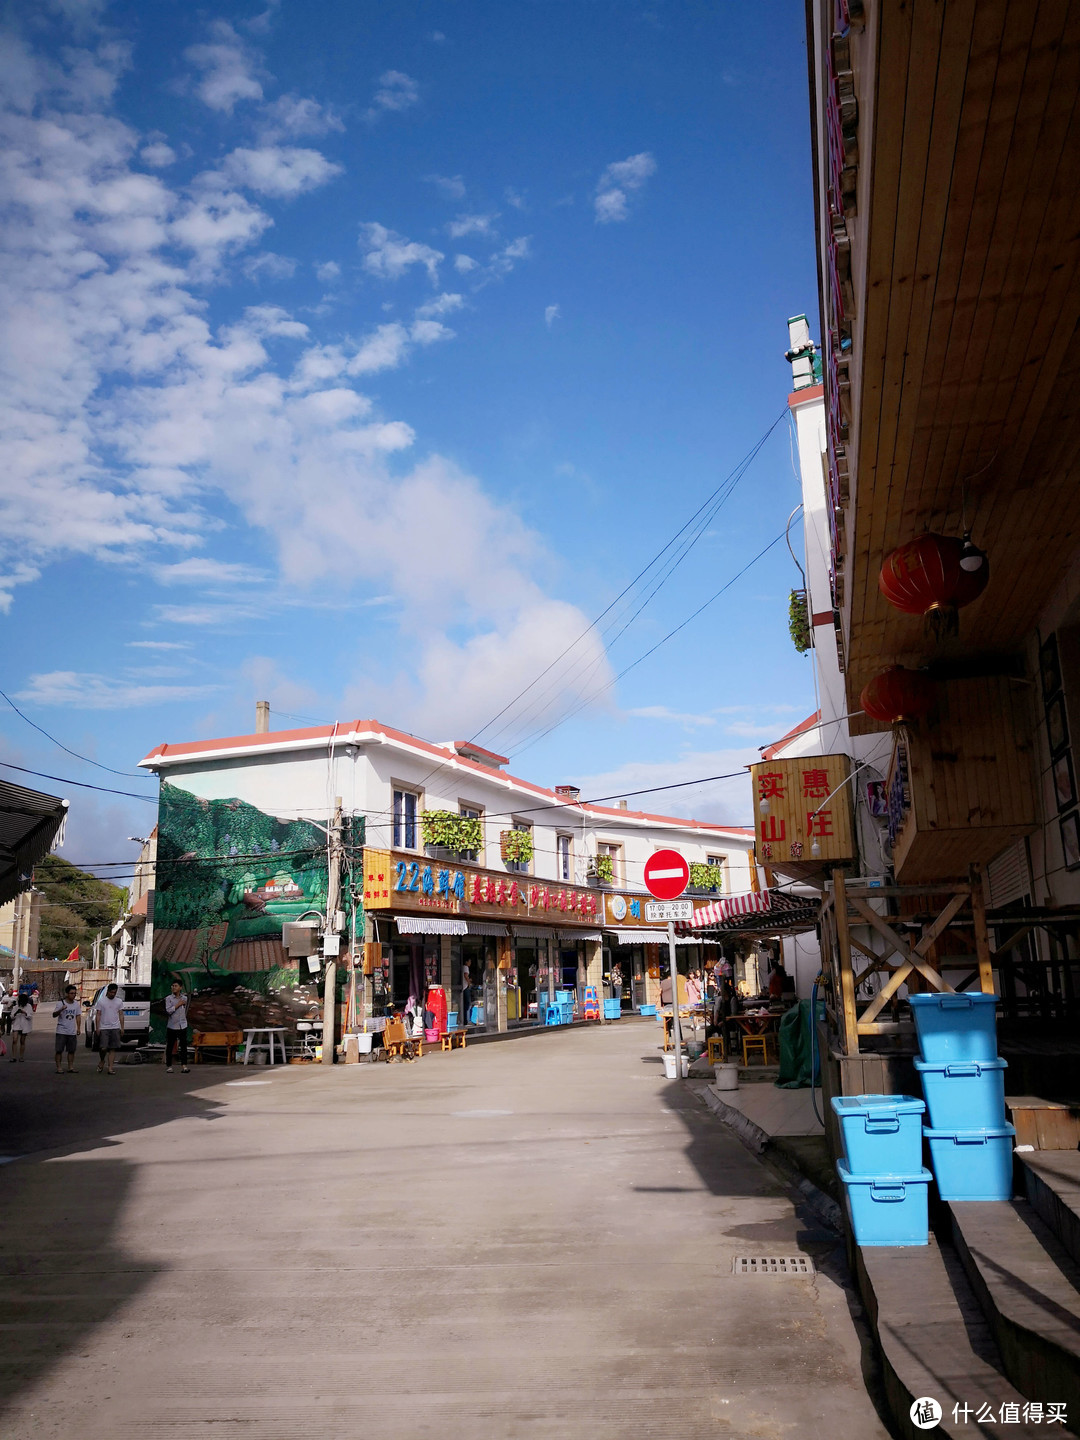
176,1031
22,1023
68,1015
110,1027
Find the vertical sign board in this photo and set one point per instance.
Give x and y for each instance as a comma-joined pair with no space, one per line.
808,803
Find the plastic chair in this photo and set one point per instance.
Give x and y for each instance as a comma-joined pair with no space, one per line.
755,1045
715,1049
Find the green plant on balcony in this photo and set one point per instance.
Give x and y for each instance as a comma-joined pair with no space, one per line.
516,846
705,877
460,834
799,621
602,868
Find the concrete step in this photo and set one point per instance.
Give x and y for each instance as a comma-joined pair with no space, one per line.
934,1341
1052,1183
1029,1289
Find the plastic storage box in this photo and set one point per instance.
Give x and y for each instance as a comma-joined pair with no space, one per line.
955,1027
972,1164
882,1134
646,1009
887,1209
612,1009
965,1094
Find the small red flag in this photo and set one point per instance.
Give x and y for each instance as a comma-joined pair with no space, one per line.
73,958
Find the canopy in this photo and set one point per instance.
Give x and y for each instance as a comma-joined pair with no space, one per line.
29,826
760,912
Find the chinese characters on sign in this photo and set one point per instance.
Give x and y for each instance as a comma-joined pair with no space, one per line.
801,804
1034,1412
397,880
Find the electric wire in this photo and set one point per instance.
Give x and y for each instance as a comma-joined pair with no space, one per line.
73,753
82,784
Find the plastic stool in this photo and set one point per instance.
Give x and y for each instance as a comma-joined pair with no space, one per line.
755,1045
715,1049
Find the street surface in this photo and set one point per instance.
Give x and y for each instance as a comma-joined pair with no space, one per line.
526,1239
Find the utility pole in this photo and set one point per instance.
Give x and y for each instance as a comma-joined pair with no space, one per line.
333,892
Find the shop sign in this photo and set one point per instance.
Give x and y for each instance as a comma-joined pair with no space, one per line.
806,802
401,880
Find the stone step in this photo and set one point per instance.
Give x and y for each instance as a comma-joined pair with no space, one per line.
934,1341
1029,1288
1052,1183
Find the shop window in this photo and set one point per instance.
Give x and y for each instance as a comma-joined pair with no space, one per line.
405,807
564,857
521,866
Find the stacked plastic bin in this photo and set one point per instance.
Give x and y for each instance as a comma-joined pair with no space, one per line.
882,1170
963,1079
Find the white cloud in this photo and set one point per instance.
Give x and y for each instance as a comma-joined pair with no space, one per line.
617,182
397,91
725,802
268,266
279,171
202,570
78,691
676,717
452,187
157,154
158,644
504,260
290,116
229,69
443,304
551,314
389,255
328,272
464,263
471,225
515,198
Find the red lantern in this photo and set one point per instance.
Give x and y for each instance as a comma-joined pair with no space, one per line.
934,576
897,695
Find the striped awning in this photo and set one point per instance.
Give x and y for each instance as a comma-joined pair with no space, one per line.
429,925
753,903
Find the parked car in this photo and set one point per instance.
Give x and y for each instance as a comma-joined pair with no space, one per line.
136,1000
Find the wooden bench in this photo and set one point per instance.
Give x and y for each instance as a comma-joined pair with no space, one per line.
396,1042
226,1040
452,1040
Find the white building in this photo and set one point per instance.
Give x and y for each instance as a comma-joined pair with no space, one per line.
556,917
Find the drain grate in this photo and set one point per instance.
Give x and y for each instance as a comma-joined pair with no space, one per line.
772,1265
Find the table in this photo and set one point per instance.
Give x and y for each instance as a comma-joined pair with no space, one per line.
271,1032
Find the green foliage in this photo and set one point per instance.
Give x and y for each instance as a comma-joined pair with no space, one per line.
706,877
457,833
517,846
74,908
603,867
799,621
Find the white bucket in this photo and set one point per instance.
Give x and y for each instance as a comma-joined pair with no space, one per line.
669,1066
364,1043
727,1077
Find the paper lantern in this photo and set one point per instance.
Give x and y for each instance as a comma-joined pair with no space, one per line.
897,695
934,576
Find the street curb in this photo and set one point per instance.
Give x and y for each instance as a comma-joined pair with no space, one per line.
759,1143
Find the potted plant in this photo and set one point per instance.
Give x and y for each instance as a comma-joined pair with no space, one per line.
516,846
454,835
704,878
799,621
602,869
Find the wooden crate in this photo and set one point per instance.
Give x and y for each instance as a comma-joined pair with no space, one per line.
1043,1124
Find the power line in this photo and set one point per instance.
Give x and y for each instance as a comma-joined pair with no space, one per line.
73,753
82,784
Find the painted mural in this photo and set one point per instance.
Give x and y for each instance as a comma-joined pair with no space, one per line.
228,877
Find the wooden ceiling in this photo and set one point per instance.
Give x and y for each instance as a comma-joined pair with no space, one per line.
966,373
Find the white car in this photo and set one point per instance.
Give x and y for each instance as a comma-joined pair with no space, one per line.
136,1001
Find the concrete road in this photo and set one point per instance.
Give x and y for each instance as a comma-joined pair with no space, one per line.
529,1239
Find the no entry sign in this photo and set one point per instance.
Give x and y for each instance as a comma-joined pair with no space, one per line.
667,874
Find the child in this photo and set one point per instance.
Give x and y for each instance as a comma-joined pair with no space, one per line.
22,1022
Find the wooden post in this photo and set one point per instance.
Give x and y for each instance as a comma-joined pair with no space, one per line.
849,1034
982,938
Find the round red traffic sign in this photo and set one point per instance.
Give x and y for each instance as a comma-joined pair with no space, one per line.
667,874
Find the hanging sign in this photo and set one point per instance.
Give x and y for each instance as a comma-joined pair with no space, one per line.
403,880
800,804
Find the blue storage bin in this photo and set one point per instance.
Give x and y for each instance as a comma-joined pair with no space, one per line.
476,1015
887,1209
955,1027
646,1009
882,1134
964,1095
451,1019
973,1164
612,1009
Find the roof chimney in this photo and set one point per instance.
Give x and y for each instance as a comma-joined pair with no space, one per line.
262,716
568,792
623,805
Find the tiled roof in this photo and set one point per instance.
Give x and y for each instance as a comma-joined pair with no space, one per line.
808,724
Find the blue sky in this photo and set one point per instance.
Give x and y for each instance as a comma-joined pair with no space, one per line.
357,356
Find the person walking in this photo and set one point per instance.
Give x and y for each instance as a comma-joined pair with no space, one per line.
176,1032
68,1016
7,1010
616,982
110,1028
22,1022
